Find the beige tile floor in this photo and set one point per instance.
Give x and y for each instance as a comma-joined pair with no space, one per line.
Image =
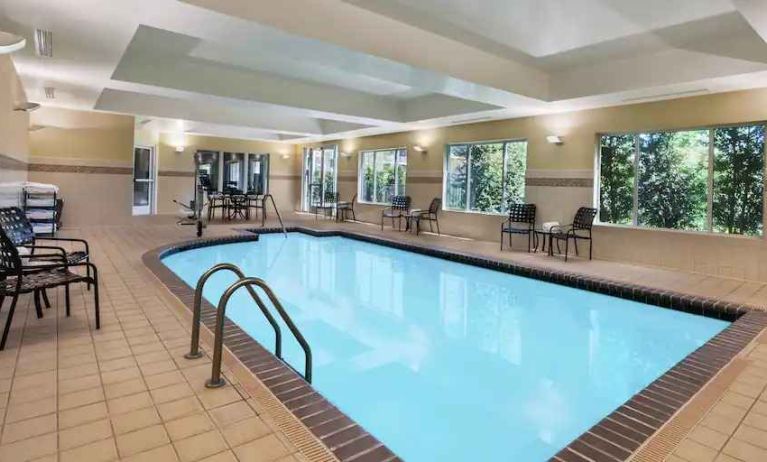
125,392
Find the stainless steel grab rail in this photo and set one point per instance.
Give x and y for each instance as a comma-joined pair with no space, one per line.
263,215
194,350
215,377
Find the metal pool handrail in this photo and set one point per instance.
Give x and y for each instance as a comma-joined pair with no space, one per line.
218,342
263,215
194,350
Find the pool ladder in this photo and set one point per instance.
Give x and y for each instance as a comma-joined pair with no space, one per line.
216,380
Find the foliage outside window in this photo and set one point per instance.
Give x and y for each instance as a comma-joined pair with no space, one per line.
383,174
485,177
701,180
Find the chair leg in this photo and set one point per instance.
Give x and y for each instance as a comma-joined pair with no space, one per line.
8,320
591,247
501,239
567,247
575,241
96,297
66,298
2,299
529,242
47,302
87,273
382,220
436,220
38,307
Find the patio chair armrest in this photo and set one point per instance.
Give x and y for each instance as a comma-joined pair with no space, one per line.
44,257
66,239
32,248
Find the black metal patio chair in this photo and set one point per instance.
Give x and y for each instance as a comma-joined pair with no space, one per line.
327,205
19,230
216,201
17,278
430,215
400,206
343,208
579,229
521,220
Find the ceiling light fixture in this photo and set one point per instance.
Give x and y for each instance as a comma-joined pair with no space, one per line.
554,139
50,92
419,148
10,43
26,106
44,43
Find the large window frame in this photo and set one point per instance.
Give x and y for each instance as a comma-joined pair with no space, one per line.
469,144
710,189
397,180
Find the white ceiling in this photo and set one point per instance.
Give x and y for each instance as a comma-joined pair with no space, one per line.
299,70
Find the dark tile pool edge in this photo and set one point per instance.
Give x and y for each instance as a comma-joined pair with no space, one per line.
346,439
614,438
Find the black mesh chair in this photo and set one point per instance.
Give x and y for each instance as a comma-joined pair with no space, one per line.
19,230
18,278
328,204
579,230
343,209
400,206
521,220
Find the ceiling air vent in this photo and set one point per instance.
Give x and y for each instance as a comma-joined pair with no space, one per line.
44,43
50,92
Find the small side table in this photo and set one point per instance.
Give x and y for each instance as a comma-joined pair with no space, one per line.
413,220
547,238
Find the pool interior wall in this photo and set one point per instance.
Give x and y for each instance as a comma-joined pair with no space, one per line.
442,360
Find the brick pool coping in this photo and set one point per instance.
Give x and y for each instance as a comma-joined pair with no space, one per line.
615,438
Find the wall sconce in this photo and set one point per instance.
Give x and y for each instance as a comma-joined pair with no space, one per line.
345,154
554,139
179,149
285,156
419,148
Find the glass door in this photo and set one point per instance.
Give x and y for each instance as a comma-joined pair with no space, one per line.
234,172
143,180
320,175
258,174
206,163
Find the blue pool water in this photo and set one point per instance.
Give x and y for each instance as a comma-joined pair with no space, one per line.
446,361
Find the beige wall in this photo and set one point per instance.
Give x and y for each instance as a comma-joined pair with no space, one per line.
14,139
89,156
176,170
560,177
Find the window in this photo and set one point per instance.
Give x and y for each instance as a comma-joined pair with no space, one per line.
485,177
382,174
700,180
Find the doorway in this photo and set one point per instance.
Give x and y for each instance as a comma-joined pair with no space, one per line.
320,175
258,174
143,180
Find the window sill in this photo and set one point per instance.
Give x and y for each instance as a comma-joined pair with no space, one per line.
382,204
474,212
679,231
